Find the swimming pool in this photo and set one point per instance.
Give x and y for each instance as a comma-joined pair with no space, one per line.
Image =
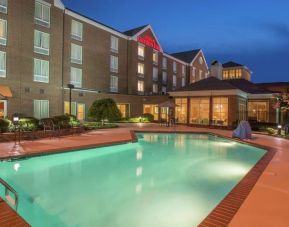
163,180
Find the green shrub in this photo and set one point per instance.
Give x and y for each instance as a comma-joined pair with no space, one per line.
271,131
104,109
4,125
147,117
98,125
65,121
29,124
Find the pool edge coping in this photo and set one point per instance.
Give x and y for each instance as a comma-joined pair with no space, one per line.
225,211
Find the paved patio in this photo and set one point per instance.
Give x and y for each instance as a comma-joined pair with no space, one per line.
266,205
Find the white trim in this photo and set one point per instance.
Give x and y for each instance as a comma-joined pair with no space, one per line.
236,92
201,51
175,59
142,31
260,96
59,4
44,2
93,23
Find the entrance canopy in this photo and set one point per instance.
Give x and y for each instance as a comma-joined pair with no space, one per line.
5,91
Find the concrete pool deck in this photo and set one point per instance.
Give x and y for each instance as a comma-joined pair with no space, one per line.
266,205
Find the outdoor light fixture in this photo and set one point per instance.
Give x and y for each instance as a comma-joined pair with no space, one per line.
16,118
279,129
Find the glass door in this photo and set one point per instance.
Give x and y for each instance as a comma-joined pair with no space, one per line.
3,108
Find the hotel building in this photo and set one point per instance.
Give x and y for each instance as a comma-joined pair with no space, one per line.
44,47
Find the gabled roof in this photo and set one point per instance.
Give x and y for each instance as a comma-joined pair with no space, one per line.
210,83
248,86
187,56
134,31
213,84
231,64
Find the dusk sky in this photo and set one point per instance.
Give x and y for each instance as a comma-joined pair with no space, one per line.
251,32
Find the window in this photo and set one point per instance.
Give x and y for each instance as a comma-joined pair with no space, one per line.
3,6
113,84
183,70
164,79
76,54
76,30
238,73
155,74
113,64
232,74
114,44
3,32
220,111
124,109
73,108
164,89
2,64
3,109
165,63
41,70
200,111
140,69
193,79
174,80
181,110
175,67
41,109
42,14
200,74
183,81
76,77
140,86
258,111
141,51
80,111
155,57
155,88
225,74
151,109
41,42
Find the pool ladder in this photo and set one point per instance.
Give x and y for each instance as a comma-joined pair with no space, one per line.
11,201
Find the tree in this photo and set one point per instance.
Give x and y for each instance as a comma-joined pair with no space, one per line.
104,109
282,103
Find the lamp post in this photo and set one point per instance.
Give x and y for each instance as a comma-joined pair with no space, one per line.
15,120
70,86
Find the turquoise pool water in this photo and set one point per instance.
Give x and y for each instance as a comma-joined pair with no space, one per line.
164,180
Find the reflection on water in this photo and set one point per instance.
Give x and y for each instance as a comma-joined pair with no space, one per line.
164,180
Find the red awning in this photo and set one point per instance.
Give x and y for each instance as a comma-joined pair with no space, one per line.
5,91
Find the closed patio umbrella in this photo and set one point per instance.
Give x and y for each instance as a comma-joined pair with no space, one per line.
168,104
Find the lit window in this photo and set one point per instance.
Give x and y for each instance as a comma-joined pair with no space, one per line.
76,77
174,80
220,111
183,81
3,32
113,84
114,44
41,109
140,69
151,109
181,110
164,79
41,70
165,63
80,111
113,64
41,42
232,74
3,6
238,73
155,74
73,108
42,14
76,30
175,67
140,86
155,88
258,111
76,54
226,74
155,57
141,51
2,64
200,111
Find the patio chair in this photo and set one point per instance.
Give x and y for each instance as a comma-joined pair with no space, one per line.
49,127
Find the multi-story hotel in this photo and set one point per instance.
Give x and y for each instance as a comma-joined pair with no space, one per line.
44,47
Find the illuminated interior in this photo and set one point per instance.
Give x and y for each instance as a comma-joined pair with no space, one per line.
124,109
152,109
232,74
181,110
220,111
200,111
77,109
141,51
2,109
258,110
164,113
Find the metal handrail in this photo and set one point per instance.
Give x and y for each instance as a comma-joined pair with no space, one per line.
7,189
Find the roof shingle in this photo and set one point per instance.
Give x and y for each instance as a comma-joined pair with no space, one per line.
186,56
